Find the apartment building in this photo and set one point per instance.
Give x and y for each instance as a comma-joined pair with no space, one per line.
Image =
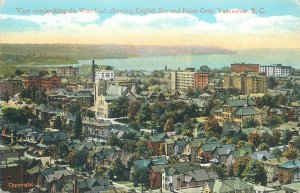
68,71
104,74
242,67
275,70
182,80
247,84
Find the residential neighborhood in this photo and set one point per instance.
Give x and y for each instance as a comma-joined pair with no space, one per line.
210,130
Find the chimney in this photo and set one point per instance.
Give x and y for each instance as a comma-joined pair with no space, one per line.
93,71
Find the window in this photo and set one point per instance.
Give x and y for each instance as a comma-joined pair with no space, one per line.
9,178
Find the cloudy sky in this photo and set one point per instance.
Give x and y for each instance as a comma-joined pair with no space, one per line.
222,23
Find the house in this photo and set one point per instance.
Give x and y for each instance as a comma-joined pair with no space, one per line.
238,154
179,146
155,144
191,148
19,170
185,175
289,172
221,153
238,111
155,176
205,152
169,146
54,180
261,155
271,166
228,186
93,184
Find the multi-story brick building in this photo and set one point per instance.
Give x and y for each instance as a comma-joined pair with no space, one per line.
68,71
241,67
247,84
182,80
40,80
275,70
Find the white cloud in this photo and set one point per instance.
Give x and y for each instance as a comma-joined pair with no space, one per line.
53,21
159,20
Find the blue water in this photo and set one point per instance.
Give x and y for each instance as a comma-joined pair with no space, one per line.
290,57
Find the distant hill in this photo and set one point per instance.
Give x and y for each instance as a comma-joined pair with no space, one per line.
47,53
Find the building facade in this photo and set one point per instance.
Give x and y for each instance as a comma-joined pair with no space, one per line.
275,70
104,75
68,71
247,84
182,80
40,80
241,68
10,87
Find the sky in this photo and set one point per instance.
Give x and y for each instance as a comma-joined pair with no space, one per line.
234,24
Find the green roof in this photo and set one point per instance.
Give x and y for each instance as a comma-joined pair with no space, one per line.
240,103
33,170
144,163
244,111
211,146
169,141
231,185
240,153
291,164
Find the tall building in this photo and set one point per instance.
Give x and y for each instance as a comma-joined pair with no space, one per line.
275,70
241,67
68,71
104,74
247,84
182,80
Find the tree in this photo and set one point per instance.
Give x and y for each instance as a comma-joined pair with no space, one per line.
205,68
114,141
189,92
144,114
220,171
212,127
57,123
20,116
174,159
117,172
141,147
161,148
5,98
267,139
239,167
271,83
133,109
77,127
18,72
77,159
255,173
142,176
263,146
254,138
276,137
289,84
287,136
119,107
275,153
250,123
291,153
169,125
